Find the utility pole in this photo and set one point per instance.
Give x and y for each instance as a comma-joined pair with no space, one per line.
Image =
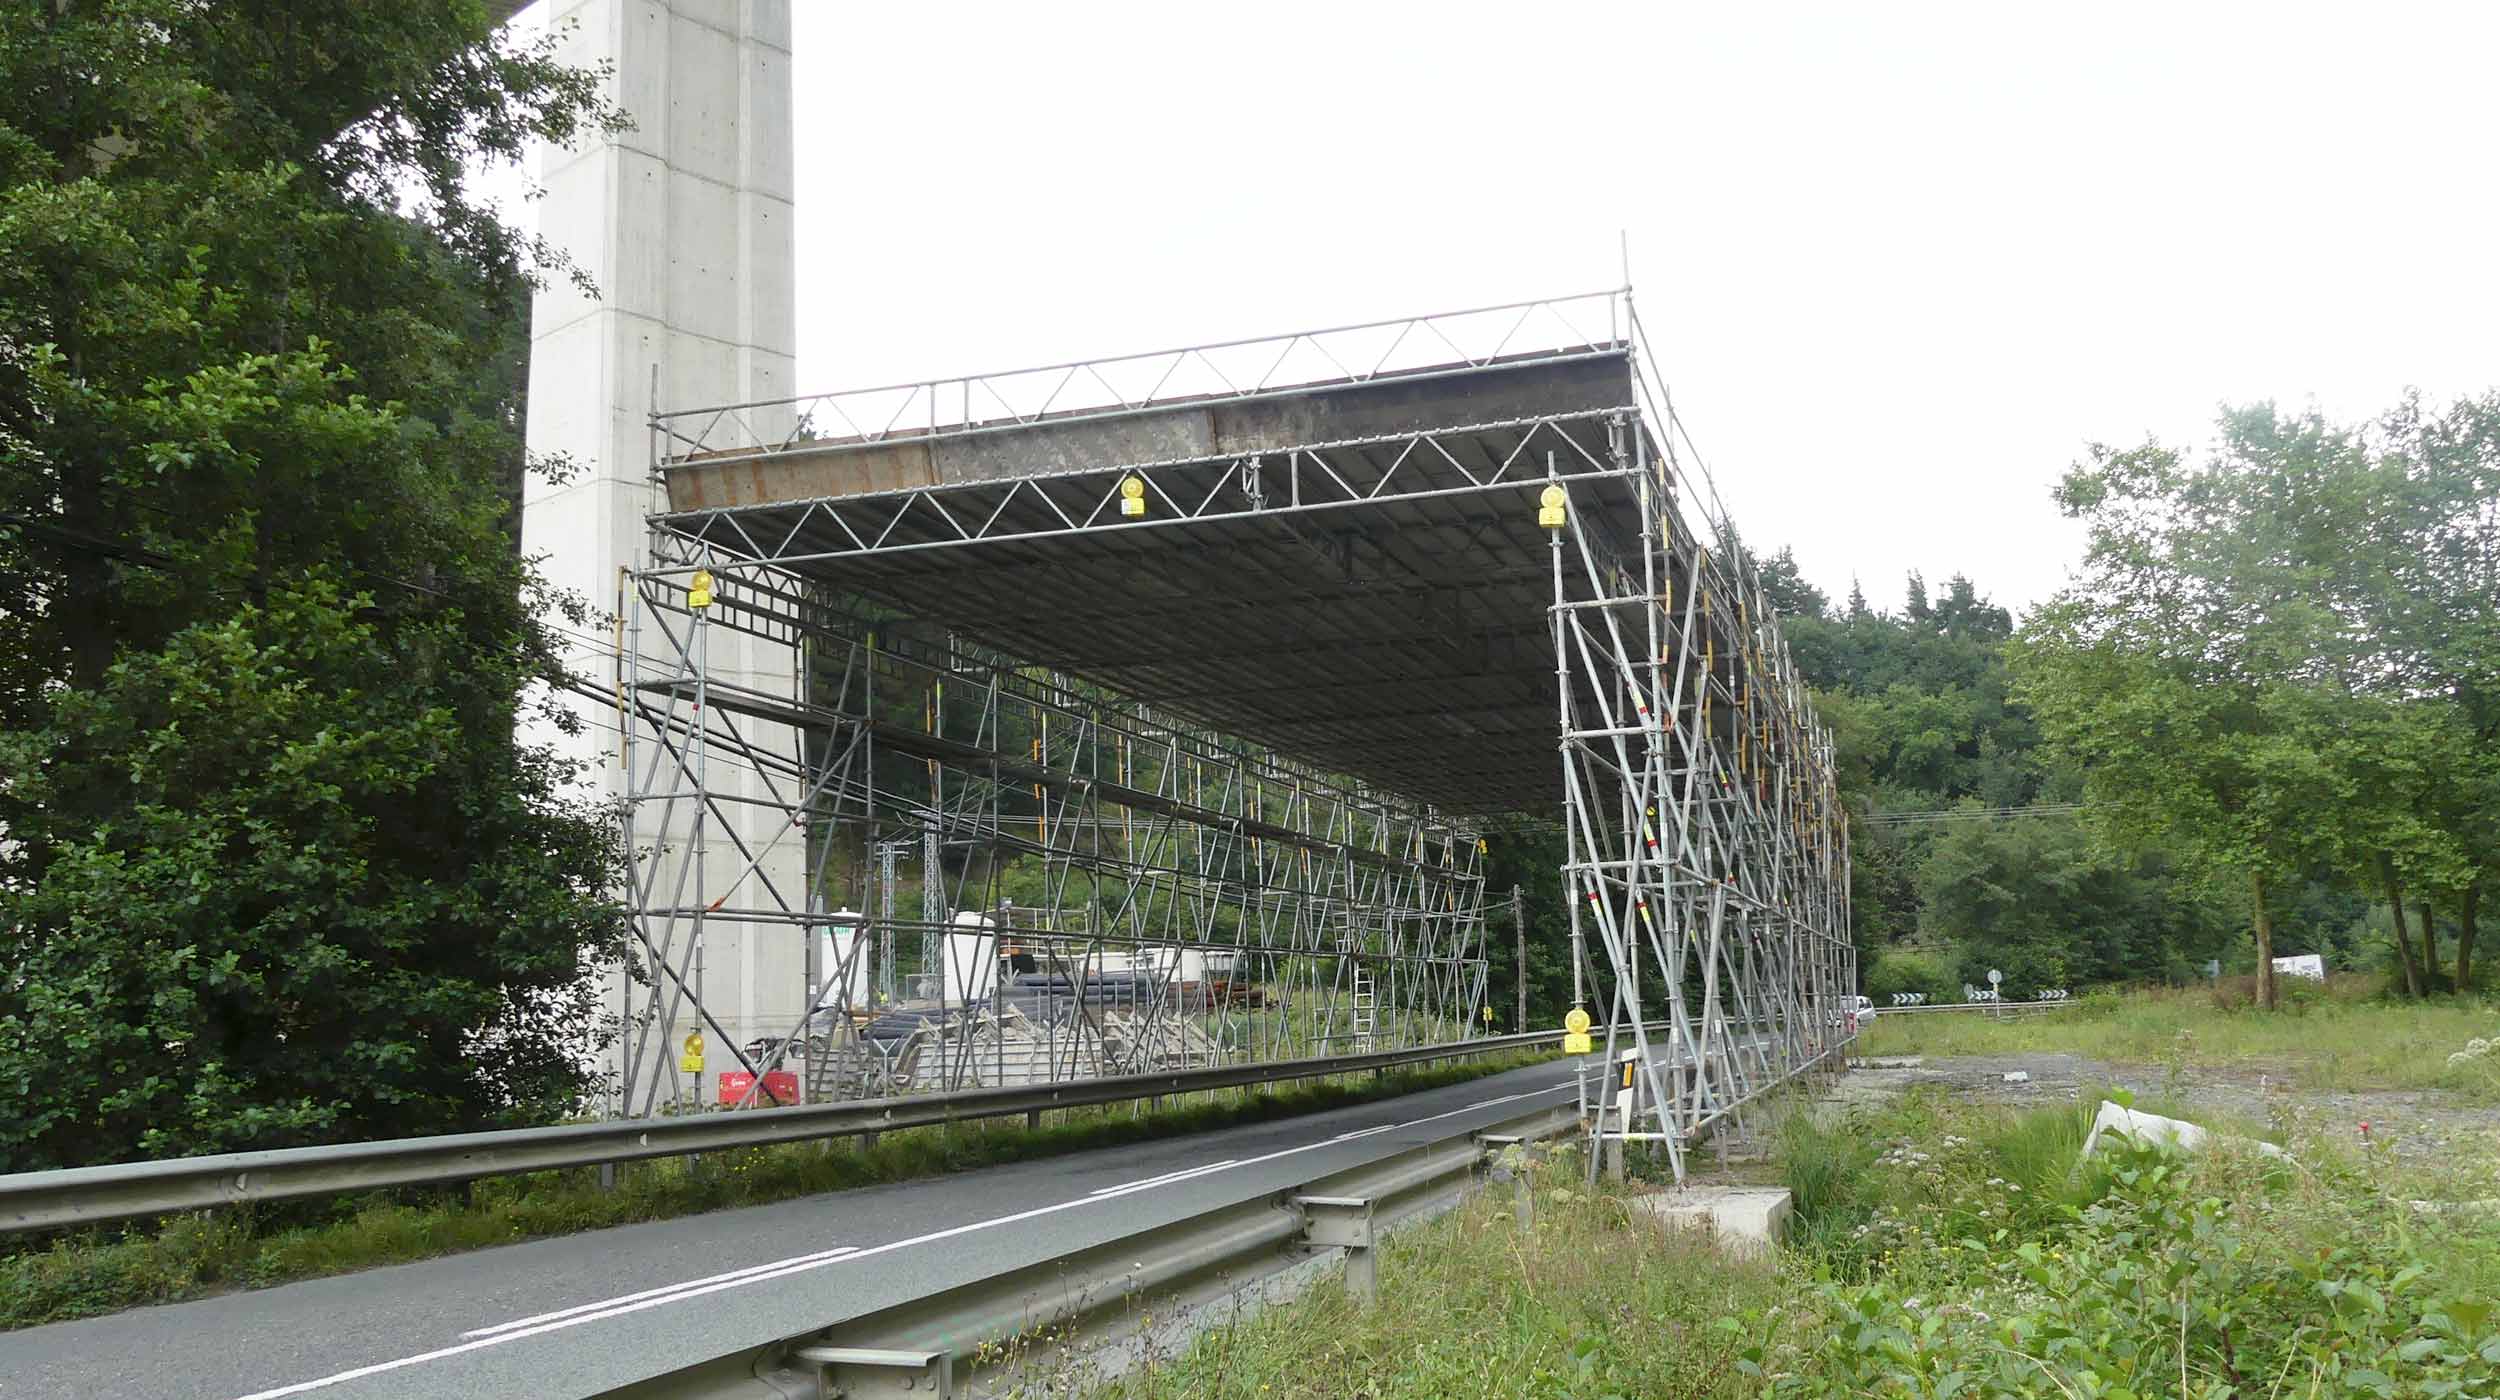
932,886
887,854
1519,939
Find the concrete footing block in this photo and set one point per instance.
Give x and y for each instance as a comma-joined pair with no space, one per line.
1745,1221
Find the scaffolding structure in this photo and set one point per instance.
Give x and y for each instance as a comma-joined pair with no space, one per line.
1196,675
1705,841
1105,889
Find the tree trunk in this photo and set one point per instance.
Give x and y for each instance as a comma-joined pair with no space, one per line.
2396,901
2465,932
2265,939
2430,944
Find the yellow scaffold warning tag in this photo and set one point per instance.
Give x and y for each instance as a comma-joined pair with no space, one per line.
1576,1032
690,1058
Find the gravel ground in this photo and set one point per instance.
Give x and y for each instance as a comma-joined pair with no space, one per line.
2410,1124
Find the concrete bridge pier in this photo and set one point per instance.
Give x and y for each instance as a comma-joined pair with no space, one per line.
684,224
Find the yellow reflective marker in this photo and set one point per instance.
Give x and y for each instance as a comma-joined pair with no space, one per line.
699,589
690,1058
1578,1043
1132,496
1549,508
1576,1021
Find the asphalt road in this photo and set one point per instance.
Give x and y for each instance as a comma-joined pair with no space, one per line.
583,1314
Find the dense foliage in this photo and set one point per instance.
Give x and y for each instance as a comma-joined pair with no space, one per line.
1967,853
275,867
1970,1255
2282,663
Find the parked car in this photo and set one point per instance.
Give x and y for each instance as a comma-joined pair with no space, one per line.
1853,1014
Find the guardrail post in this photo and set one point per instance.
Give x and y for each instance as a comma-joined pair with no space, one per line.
1346,1222
866,1373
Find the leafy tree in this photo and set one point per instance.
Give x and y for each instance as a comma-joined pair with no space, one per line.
276,868
1529,854
2040,900
2271,662
1965,614
2229,776
1784,584
1924,719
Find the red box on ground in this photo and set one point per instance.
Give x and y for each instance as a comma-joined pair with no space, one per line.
781,1088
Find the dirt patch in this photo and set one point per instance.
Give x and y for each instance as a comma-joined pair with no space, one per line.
2407,1122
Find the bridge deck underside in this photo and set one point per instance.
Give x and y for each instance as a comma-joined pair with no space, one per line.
1378,607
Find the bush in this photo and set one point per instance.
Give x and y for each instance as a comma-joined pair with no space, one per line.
2155,1278
1901,970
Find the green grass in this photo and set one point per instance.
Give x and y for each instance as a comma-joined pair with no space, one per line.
187,1256
1933,1238
1583,1304
2320,1040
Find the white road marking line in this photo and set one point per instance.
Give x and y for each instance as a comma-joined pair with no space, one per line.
679,1287
1166,1179
799,1264
542,1329
1367,1132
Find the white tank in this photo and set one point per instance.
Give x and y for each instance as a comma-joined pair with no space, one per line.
836,944
971,959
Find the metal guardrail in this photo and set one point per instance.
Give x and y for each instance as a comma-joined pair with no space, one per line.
1145,1290
1886,1013
88,1195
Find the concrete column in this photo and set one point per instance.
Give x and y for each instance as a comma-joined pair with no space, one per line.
684,225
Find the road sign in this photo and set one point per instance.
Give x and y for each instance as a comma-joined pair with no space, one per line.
690,1057
1995,977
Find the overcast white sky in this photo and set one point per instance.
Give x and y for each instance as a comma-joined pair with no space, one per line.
1900,261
